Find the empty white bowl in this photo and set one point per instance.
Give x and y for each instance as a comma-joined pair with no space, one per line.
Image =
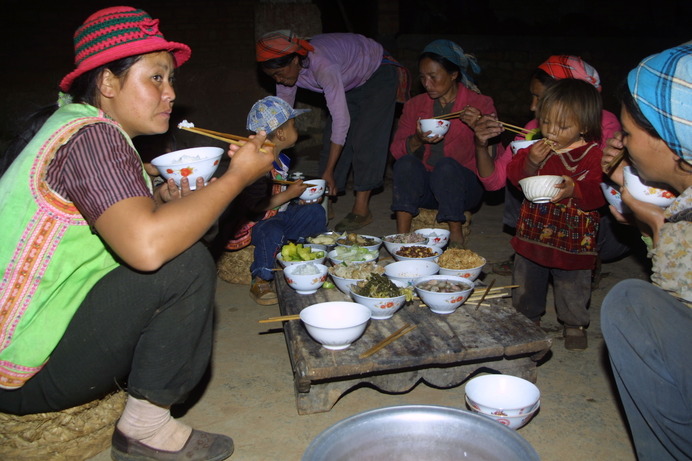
436,237
502,395
381,308
646,191
513,422
435,252
305,284
189,163
444,302
375,244
541,188
410,270
315,191
516,146
393,246
335,324
437,126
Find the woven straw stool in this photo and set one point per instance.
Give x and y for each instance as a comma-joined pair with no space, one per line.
234,266
77,433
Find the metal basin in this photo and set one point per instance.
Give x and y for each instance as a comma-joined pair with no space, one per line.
416,433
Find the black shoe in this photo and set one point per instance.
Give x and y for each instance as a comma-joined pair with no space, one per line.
201,446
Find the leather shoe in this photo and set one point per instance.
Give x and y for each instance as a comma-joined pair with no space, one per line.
201,446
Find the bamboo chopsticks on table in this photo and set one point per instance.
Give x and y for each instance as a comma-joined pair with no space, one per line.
280,318
227,137
389,339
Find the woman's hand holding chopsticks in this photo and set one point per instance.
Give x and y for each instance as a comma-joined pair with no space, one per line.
613,160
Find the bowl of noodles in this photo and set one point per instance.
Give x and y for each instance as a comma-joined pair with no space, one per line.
461,263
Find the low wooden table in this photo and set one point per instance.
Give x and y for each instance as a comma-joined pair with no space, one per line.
443,351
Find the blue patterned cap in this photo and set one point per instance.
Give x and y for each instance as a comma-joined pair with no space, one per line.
662,88
270,113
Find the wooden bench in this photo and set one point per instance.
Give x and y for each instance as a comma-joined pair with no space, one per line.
443,351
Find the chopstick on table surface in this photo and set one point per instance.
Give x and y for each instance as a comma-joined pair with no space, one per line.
485,293
389,339
227,137
280,318
288,183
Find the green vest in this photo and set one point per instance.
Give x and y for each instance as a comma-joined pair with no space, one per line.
49,256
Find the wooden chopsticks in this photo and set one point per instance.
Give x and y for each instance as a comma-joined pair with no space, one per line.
389,339
614,161
280,318
227,137
515,129
485,293
449,116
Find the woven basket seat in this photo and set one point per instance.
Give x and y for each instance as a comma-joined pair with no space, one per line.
234,266
77,433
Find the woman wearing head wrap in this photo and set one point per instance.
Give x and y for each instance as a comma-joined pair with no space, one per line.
555,68
102,287
448,173
647,326
361,84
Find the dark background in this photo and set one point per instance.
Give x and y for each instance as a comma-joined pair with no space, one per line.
221,82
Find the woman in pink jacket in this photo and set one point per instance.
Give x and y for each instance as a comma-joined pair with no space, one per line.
448,173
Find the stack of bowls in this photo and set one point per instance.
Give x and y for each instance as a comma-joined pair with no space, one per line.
509,400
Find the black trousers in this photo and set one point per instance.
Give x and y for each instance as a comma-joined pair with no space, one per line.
148,332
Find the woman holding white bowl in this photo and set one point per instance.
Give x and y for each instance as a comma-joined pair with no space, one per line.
445,172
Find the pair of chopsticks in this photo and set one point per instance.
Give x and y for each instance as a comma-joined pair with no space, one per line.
449,116
614,161
515,129
388,340
288,183
230,138
280,318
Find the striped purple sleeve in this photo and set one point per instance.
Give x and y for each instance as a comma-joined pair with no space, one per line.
96,169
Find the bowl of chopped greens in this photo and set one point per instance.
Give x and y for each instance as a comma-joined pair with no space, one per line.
381,295
353,255
345,275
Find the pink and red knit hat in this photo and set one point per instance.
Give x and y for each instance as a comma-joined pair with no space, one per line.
115,33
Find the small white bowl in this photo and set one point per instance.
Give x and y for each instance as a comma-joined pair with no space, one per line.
370,256
392,247
381,308
646,191
377,243
444,302
541,188
305,284
189,163
335,324
513,422
410,270
613,197
437,126
284,263
436,237
516,146
502,394
437,251
314,192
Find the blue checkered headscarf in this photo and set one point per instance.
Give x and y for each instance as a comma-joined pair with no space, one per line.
662,88
453,53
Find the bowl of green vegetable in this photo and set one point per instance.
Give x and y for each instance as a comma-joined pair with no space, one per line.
353,255
381,295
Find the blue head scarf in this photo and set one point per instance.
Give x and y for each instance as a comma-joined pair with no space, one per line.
455,54
662,88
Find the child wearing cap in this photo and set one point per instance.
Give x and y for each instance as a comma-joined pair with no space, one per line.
265,214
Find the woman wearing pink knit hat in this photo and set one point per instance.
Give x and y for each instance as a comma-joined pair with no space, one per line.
101,287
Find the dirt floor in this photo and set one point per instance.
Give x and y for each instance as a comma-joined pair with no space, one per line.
249,394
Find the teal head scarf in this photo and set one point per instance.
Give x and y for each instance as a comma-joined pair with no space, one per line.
452,52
